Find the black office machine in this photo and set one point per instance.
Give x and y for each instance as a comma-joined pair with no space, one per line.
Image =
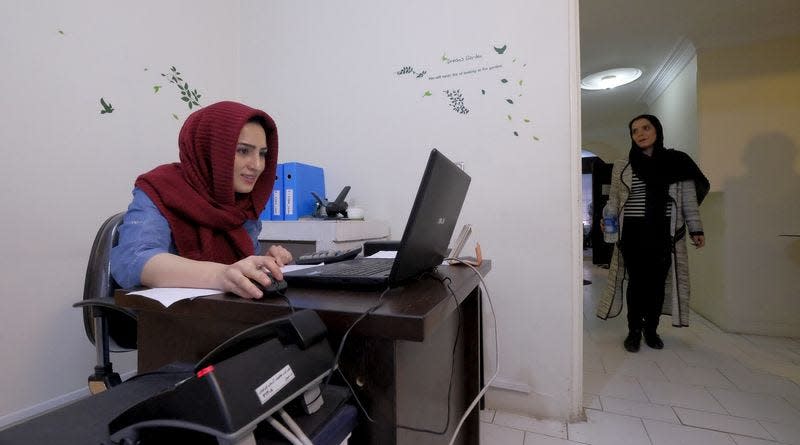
239,384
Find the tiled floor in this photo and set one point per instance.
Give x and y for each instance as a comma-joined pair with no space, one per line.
705,387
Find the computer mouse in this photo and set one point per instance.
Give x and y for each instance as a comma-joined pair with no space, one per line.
275,286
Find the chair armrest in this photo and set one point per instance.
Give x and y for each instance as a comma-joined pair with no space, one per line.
105,303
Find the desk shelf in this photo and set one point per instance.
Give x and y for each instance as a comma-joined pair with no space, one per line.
311,235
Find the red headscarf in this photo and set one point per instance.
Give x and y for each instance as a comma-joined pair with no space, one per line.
196,195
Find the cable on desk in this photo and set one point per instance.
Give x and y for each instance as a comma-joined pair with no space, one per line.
446,281
335,365
287,300
294,440
496,351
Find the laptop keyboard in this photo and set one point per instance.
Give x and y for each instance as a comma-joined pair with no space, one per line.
363,267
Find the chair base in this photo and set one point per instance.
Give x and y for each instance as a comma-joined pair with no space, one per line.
103,380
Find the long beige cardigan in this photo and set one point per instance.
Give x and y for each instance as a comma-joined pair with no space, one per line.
685,218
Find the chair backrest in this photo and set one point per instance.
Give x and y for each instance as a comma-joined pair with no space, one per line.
100,285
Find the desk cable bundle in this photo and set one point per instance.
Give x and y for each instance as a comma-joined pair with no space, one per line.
496,350
446,281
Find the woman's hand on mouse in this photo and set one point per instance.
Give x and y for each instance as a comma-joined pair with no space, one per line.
236,277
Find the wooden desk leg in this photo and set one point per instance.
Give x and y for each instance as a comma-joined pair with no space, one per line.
404,384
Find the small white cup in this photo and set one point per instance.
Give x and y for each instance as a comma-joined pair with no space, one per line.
355,213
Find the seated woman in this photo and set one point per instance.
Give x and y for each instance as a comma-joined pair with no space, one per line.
195,223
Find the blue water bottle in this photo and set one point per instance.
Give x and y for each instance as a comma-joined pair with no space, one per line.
610,226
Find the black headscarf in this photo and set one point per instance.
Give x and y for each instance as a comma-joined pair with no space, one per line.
664,167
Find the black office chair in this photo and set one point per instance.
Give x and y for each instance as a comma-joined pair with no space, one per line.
110,327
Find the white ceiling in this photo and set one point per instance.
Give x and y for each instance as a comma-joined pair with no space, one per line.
644,33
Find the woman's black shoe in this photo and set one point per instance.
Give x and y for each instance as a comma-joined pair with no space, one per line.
632,341
653,340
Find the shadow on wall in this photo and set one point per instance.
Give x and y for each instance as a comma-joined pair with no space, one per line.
761,206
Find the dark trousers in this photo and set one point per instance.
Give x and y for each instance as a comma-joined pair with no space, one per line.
646,251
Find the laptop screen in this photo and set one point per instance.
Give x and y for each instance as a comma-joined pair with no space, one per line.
432,220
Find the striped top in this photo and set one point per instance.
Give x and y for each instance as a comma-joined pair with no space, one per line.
635,205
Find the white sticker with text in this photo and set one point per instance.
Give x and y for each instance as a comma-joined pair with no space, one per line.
266,390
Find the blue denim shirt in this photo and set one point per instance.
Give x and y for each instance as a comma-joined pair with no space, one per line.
145,233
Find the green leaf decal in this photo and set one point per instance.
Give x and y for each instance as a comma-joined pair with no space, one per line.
107,107
427,93
175,116
504,80
61,32
509,117
526,120
535,138
520,82
156,88
509,101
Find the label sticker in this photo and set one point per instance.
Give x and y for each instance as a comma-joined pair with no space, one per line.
289,201
276,202
266,390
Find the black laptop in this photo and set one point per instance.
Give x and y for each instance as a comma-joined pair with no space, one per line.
423,246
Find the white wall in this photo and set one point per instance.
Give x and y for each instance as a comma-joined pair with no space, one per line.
66,167
326,72
676,107
328,76
748,107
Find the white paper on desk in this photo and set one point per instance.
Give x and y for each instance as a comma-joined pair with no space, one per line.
384,254
170,295
293,267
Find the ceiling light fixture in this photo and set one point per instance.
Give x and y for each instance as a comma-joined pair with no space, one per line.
608,79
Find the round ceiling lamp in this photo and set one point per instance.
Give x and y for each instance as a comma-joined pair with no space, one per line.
608,79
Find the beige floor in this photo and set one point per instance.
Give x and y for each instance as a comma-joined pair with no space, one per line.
705,387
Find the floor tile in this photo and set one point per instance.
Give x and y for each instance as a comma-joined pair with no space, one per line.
749,381
744,440
639,409
637,367
591,401
687,396
756,406
794,401
487,415
602,428
694,375
709,358
492,434
789,434
719,422
541,439
662,433
548,427
619,386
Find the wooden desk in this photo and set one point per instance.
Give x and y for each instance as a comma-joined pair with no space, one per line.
398,359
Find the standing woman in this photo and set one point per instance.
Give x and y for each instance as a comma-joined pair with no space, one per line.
655,194
195,223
